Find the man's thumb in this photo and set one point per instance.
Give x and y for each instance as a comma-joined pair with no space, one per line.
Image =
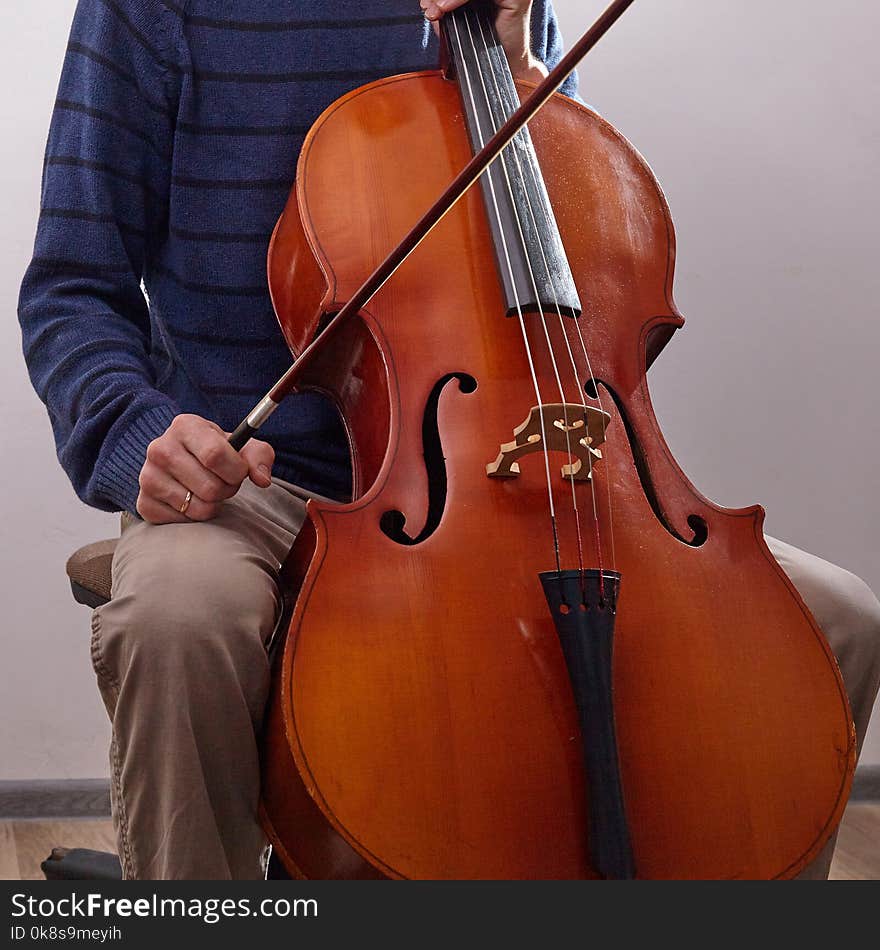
259,457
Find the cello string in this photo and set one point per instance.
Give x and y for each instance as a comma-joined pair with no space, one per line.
470,13
606,454
518,304
588,362
480,21
581,392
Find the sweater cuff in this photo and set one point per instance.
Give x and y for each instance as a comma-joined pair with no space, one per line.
117,480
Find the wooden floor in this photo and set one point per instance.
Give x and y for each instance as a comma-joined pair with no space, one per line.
24,844
857,855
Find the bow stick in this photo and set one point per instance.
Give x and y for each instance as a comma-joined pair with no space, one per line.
456,189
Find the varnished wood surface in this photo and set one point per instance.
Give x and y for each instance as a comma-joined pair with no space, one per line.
24,844
714,690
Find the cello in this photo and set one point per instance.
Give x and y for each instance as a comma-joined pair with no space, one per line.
528,647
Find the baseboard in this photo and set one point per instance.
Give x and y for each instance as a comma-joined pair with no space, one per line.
90,797
55,798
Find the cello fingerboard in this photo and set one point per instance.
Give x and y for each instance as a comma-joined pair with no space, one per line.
531,259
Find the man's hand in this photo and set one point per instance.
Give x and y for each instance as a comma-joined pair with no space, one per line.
512,22
194,455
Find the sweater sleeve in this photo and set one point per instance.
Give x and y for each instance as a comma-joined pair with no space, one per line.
547,43
84,317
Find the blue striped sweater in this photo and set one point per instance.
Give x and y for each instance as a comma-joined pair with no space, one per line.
170,155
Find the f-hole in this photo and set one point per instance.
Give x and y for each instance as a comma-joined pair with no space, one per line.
393,522
695,522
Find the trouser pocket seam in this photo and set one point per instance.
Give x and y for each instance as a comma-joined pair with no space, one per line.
97,653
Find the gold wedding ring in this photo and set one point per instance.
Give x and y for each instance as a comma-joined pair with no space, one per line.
186,501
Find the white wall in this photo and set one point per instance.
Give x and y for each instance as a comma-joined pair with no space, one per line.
760,122
53,724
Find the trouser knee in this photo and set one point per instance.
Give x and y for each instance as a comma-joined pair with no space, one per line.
179,628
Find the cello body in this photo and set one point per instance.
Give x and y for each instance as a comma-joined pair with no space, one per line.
421,722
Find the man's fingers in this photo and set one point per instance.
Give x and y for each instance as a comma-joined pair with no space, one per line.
189,471
162,497
259,458
194,456
434,9
210,446
156,512
170,455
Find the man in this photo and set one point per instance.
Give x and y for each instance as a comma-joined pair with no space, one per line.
171,153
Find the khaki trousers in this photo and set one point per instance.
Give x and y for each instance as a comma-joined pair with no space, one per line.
180,658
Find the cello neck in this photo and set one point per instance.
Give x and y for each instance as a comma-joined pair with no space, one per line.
529,254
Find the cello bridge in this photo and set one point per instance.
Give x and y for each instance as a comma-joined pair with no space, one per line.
574,430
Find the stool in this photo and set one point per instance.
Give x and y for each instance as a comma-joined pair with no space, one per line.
88,570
